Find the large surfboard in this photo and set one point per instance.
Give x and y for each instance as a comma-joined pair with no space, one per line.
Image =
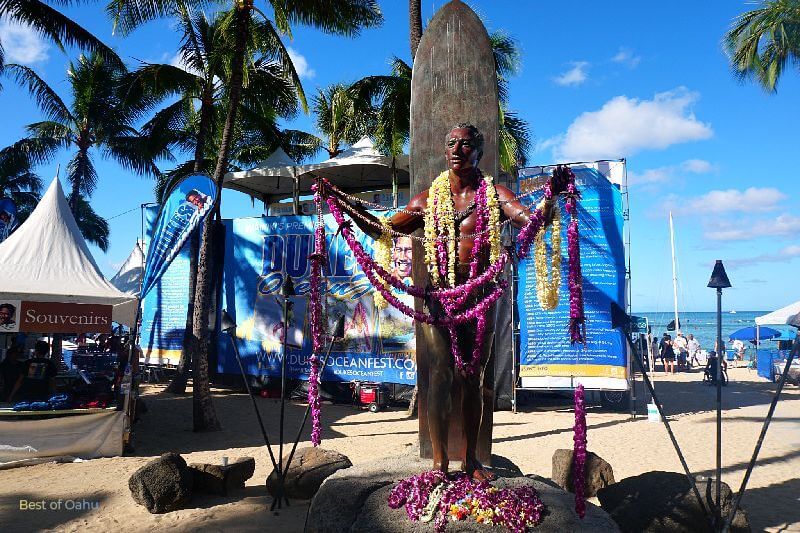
453,81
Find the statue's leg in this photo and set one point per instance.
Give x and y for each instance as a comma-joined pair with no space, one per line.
440,372
472,399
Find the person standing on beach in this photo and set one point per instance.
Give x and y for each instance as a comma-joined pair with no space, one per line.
693,346
663,342
668,355
681,349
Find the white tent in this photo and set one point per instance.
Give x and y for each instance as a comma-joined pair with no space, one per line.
274,177
128,278
47,260
781,316
359,168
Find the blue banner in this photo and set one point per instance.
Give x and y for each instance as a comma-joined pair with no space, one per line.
8,217
547,359
259,253
187,205
164,308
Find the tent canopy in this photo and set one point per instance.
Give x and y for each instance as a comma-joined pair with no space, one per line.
361,167
128,278
47,260
783,315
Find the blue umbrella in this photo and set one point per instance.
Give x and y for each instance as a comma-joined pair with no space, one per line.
749,334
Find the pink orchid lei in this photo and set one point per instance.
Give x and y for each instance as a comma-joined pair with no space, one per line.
577,318
461,497
317,330
579,452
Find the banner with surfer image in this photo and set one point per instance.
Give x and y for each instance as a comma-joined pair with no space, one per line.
186,207
378,343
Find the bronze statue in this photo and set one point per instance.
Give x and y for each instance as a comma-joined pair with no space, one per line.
463,150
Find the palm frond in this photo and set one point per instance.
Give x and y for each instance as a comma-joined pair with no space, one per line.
341,17
94,228
59,28
46,98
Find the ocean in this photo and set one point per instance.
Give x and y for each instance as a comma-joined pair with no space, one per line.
703,325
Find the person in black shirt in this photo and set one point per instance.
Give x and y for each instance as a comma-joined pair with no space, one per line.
38,379
11,370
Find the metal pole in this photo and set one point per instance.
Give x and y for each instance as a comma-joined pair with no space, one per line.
675,445
770,413
305,416
283,393
718,506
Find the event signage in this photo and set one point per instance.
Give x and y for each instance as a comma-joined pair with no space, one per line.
188,203
547,358
378,345
8,217
54,317
164,309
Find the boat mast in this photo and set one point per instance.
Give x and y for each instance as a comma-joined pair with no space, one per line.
674,274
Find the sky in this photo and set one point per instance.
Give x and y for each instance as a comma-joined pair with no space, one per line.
649,82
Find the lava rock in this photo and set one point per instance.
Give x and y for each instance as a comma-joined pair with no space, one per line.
163,484
310,467
599,473
665,502
221,480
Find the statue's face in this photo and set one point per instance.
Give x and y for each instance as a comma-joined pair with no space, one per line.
461,152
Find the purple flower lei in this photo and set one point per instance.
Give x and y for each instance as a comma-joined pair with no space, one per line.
577,318
579,452
517,509
317,330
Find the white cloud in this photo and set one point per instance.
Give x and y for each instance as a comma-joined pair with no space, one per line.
625,126
751,200
670,173
574,76
300,64
22,44
784,225
787,253
625,56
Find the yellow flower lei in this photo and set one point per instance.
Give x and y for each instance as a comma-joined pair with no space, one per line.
494,220
440,206
547,286
383,256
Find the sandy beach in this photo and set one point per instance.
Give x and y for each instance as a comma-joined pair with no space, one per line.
100,499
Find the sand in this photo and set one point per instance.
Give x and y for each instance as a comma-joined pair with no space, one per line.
94,494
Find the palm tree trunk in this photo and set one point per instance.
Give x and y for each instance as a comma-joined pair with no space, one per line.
189,352
205,418
415,25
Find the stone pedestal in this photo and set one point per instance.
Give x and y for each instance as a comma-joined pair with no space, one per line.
355,499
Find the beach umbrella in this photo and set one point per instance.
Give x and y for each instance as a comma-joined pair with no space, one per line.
749,333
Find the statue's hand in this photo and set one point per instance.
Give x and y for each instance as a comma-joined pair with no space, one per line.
346,224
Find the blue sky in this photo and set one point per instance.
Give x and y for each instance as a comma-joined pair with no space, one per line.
644,81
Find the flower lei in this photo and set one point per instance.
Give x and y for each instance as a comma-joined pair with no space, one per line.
579,452
547,285
577,318
383,256
432,495
440,229
317,330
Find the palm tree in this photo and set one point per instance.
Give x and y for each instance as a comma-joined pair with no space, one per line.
344,17
61,30
414,25
98,118
17,179
762,42
341,117
193,122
